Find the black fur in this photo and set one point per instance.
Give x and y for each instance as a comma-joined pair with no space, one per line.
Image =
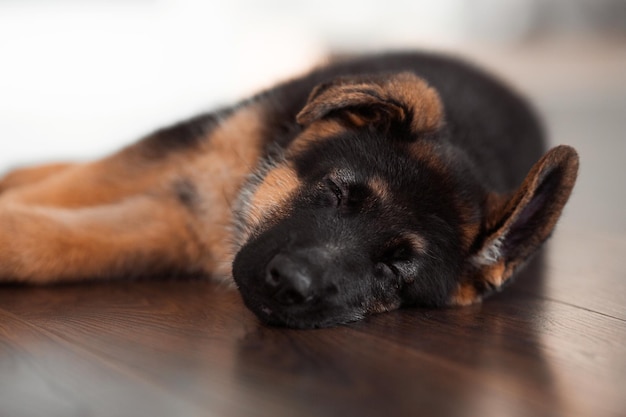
183,135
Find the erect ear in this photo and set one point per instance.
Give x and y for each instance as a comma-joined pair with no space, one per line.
379,100
516,225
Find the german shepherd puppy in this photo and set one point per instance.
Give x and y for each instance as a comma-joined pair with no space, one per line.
367,185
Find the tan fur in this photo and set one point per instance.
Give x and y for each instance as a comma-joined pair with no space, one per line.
271,196
30,175
426,153
380,188
464,295
418,243
495,274
323,130
43,244
424,101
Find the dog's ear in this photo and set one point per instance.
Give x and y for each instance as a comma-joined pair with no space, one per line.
516,225
379,100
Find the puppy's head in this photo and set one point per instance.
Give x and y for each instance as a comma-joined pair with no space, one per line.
366,211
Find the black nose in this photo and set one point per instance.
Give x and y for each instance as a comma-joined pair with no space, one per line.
291,279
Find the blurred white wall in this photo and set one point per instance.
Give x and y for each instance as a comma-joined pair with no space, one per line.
80,78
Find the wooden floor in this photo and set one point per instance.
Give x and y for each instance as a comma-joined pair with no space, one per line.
554,343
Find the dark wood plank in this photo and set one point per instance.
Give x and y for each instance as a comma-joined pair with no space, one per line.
588,270
197,342
41,375
582,269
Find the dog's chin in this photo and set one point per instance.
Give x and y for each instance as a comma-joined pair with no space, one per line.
293,322
273,314
304,322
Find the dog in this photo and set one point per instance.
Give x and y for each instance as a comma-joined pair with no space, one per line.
369,184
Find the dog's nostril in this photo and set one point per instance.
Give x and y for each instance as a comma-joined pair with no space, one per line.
294,289
289,296
290,280
273,277
331,290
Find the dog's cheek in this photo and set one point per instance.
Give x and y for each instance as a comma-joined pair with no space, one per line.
268,203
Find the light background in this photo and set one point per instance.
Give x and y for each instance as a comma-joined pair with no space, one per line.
79,79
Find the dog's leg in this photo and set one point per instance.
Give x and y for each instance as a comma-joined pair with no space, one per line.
104,181
29,175
119,216
138,236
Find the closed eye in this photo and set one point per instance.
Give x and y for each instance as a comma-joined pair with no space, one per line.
385,270
340,193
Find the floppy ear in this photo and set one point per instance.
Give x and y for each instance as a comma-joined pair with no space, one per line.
379,100
516,225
